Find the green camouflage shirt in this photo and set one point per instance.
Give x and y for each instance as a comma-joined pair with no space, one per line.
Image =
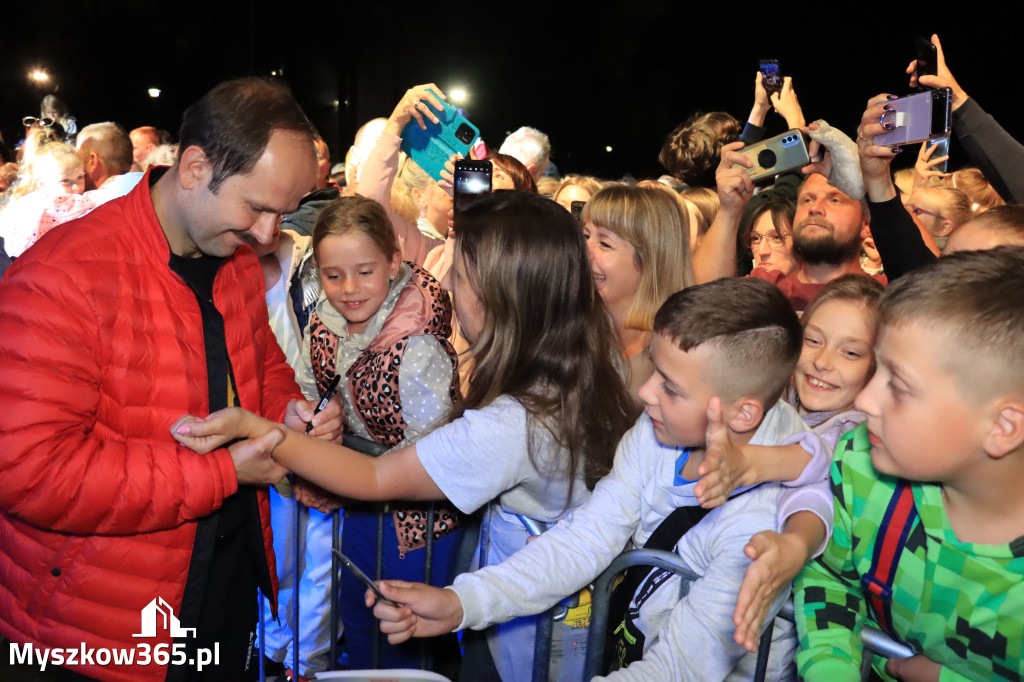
958,603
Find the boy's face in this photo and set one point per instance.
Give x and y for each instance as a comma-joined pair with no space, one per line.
921,424
677,394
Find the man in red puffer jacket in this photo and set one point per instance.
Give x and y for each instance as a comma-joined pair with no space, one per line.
113,326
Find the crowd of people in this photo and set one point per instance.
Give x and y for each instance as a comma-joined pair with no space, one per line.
810,388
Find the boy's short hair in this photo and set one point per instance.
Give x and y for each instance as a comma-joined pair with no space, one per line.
749,323
975,298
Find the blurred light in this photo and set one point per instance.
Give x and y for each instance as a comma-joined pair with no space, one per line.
458,95
154,92
335,104
608,148
39,76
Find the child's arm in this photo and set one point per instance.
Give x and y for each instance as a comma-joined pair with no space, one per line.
802,458
425,611
778,558
397,475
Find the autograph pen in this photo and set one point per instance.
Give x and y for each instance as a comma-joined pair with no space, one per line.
331,388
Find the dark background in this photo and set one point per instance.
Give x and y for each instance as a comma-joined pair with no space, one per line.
587,76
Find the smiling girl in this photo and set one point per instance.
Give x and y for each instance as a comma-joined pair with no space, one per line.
383,325
836,362
639,248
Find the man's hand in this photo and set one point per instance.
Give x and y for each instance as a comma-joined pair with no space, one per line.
328,424
918,668
787,105
253,463
724,465
734,185
426,611
778,558
942,78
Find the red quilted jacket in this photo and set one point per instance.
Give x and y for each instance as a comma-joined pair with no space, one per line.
101,349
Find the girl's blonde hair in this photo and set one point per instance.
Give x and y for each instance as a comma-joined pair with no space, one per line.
657,228
546,338
356,214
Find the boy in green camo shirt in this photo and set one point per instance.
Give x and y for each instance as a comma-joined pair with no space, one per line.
946,417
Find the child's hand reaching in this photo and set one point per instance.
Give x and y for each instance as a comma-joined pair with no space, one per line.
425,611
778,558
918,668
725,466
206,434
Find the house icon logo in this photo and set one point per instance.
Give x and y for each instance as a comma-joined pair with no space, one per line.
158,608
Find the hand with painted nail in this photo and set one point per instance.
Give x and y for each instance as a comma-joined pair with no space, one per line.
942,78
875,160
420,103
447,181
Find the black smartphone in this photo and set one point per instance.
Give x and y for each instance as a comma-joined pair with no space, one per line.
472,179
576,208
771,77
927,59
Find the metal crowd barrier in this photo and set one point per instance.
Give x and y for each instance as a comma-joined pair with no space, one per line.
874,640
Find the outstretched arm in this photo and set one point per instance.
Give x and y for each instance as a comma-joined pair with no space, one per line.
397,475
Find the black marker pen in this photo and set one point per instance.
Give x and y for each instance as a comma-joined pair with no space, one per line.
331,388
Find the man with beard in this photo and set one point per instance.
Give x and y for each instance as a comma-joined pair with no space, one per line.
828,229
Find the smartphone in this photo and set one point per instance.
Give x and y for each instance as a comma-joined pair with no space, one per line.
941,150
472,179
576,208
431,148
918,117
927,59
771,77
365,579
776,155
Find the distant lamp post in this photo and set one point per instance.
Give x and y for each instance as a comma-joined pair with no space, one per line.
39,76
154,92
458,95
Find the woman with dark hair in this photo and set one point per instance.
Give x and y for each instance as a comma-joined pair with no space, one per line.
510,173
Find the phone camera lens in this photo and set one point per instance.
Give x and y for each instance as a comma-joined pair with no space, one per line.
464,134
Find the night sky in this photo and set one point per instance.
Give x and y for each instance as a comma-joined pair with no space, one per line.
588,77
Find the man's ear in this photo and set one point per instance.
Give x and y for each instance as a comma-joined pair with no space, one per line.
744,415
1006,434
865,230
194,169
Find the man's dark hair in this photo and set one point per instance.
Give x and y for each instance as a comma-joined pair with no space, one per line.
232,124
751,326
